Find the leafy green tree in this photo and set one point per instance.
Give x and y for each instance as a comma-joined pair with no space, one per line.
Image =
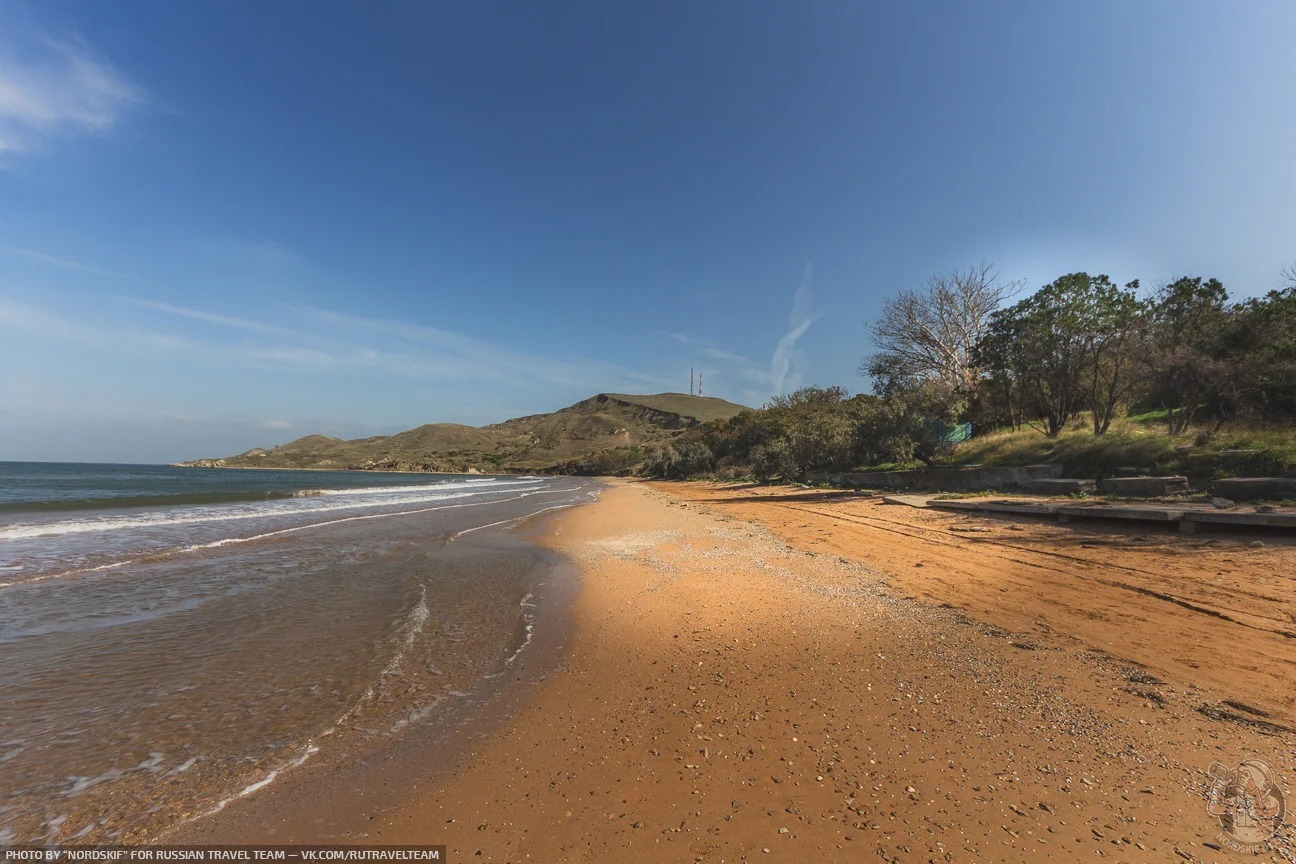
1113,323
1187,364
817,425
687,456
1070,346
1264,345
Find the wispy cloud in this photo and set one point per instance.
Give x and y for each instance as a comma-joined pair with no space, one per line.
65,263
783,363
434,352
277,424
51,88
335,344
208,317
727,356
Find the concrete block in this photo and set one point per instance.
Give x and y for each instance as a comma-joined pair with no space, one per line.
1145,487
1061,486
1251,488
1204,518
1146,514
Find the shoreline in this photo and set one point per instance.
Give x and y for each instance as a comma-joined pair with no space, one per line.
333,796
753,675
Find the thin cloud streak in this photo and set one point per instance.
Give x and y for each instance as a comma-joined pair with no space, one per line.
417,351
468,357
783,362
58,88
66,263
209,317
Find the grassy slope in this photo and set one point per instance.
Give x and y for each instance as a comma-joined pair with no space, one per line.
702,408
1143,443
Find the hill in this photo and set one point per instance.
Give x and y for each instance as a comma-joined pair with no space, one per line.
592,436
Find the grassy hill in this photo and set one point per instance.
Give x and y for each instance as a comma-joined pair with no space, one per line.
575,439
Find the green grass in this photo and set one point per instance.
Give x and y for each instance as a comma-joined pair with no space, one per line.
1142,442
704,408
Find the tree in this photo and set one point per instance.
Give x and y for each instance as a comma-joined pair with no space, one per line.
925,339
1264,344
817,426
1114,319
1068,347
1186,363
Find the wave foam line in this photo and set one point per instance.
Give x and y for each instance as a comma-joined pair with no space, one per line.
52,529
412,487
229,541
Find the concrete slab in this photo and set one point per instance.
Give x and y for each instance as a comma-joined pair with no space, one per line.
1241,488
1190,521
1204,518
1025,508
1062,485
955,504
907,500
1146,487
1144,514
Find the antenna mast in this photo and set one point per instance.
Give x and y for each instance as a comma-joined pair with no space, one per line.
690,380
699,383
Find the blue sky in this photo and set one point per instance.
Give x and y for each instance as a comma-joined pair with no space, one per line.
229,224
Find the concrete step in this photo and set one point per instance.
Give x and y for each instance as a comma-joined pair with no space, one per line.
1146,487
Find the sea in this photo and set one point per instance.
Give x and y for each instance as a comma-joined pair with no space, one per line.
172,639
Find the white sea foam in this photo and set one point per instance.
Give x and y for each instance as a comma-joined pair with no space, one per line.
200,515
265,781
390,490
236,540
183,766
410,629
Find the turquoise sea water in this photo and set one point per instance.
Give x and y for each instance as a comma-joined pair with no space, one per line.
173,638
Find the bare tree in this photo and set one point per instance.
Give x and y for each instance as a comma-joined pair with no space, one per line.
926,337
1289,276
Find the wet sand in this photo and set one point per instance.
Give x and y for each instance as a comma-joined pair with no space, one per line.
756,674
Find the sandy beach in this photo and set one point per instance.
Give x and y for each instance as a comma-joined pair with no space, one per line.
787,675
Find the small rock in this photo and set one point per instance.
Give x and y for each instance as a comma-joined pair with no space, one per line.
1265,508
1256,544
1222,503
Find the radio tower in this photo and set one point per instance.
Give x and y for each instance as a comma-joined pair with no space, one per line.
699,383
690,380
